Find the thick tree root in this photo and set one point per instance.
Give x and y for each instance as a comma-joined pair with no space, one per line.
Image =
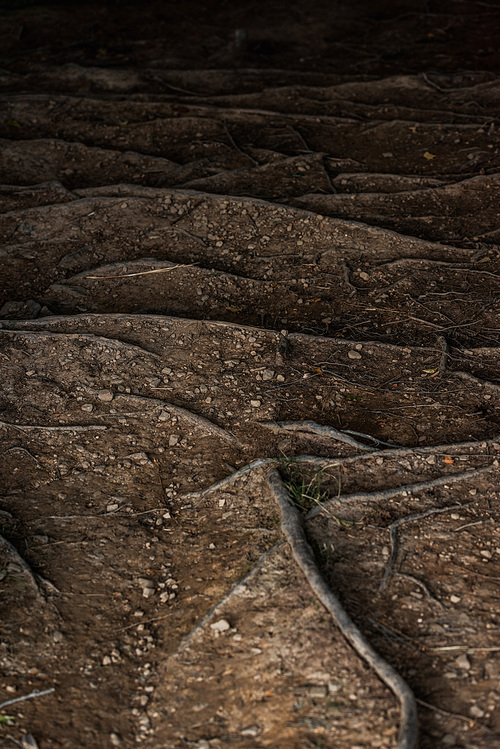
291,526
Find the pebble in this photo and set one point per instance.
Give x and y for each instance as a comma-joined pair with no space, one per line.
172,440
463,662
88,407
476,711
268,374
220,626
57,636
115,739
455,599
354,355
251,731
105,395
146,582
318,691
255,404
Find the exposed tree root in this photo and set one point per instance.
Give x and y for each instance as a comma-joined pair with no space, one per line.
220,604
322,431
291,526
37,582
394,538
389,493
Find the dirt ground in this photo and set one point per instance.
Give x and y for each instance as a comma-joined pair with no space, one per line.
237,237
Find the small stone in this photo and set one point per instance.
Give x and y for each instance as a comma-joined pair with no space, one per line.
486,554
280,378
106,661
364,276
455,599
463,662
220,626
476,711
146,582
57,636
318,692
251,731
255,404
354,354
115,739
148,592
172,440
105,395
87,407
112,507
268,374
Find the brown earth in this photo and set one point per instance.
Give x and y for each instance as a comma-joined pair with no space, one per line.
236,237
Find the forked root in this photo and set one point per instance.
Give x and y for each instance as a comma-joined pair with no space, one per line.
291,526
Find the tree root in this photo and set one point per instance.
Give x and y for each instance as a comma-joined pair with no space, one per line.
291,526
393,528
37,582
312,427
219,605
390,493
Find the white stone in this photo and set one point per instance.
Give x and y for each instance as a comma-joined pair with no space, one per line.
220,626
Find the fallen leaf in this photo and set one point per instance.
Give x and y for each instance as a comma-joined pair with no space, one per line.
428,155
448,459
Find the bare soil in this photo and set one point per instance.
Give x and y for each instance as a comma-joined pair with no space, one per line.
236,238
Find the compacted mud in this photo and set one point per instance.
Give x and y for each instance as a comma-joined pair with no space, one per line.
234,239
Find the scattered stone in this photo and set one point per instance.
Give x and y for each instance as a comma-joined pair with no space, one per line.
115,739
354,354
476,711
220,626
318,691
251,731
463,662
455,599
105,395
172,440
57,636
88,407
268,374
255,404
112,507
106,661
